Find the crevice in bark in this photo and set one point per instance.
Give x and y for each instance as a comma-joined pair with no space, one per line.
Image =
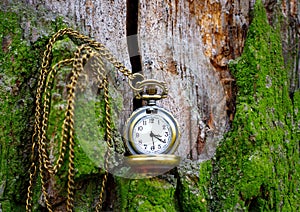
178,190
111,195
132,40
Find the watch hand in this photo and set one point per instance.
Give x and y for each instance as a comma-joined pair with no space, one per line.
157,137
152,139
153,135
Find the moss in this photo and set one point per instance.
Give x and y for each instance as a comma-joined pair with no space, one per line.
204,184
260,173
18,66
193,188
146,195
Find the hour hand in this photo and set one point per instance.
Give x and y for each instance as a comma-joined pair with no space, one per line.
153,135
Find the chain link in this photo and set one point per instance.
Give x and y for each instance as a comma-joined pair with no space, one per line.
89,48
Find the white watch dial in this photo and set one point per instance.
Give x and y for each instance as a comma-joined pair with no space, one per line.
152,134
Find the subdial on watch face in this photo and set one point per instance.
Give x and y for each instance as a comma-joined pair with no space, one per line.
152,134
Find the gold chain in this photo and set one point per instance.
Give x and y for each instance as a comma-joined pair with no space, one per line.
108,132
90,48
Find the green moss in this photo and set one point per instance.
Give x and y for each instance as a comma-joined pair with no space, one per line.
256,165
193,190
17,70
205,173
146,195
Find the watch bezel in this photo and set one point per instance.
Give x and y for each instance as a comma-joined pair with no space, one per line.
142,112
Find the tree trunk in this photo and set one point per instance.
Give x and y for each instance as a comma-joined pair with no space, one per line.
232,70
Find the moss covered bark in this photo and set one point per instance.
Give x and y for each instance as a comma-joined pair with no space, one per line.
257,166
18,70
20,63
154,194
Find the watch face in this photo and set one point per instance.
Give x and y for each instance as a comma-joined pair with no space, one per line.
152,134
151,130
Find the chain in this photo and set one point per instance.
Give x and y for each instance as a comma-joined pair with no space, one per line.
104,86
53,169
37,127
89,48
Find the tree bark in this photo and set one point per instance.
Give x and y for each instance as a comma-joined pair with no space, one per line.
232,70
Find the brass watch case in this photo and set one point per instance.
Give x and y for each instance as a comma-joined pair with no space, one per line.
148,111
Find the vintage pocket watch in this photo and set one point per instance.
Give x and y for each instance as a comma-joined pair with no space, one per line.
151,129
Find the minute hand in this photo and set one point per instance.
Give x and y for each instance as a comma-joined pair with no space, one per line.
157,137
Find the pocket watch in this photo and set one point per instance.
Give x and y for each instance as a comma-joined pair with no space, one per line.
151,130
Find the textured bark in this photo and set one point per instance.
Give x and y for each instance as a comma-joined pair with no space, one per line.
189,45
